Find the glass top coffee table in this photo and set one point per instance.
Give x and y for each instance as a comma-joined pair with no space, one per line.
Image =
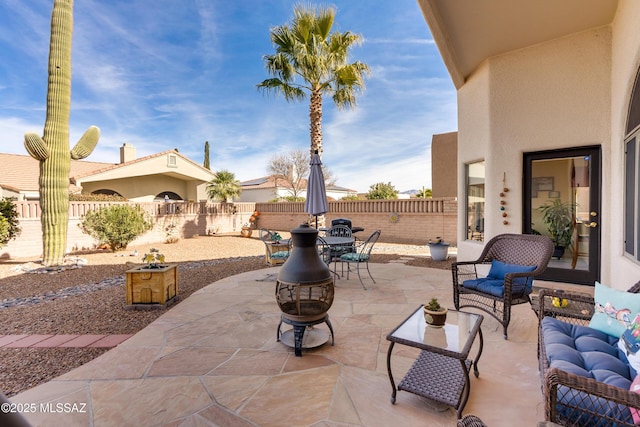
441,371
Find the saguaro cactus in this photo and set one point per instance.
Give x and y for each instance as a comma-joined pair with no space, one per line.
52,149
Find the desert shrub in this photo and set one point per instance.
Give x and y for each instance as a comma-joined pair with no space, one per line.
10,228
96,198
4,231
116,225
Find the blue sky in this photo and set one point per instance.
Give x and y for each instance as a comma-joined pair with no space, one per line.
165,74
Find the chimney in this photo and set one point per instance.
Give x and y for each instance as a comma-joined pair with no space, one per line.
127,152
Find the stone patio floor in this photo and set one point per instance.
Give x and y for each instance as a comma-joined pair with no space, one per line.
213,360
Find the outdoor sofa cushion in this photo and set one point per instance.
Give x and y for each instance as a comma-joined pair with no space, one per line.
590,353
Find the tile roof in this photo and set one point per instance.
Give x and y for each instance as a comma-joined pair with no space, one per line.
110,166
21,171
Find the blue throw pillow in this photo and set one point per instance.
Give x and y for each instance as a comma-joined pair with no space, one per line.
614,310
499,269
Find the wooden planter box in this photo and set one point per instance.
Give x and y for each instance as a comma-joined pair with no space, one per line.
152,287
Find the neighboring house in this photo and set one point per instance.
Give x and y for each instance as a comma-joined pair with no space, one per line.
268,188
146,179
548,109
20,174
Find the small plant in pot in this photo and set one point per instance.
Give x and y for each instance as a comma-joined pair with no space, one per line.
434,314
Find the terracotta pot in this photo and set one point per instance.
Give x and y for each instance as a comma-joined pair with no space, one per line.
435,319
246,232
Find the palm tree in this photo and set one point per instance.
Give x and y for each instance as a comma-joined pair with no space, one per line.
424,193
224,186
309,58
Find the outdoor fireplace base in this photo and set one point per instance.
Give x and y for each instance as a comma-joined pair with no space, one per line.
314,337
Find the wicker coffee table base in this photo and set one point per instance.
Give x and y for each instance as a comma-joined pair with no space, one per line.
438,378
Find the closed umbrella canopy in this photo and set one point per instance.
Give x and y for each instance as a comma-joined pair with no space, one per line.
316,203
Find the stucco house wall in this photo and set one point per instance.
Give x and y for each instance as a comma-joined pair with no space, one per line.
552,95
625,62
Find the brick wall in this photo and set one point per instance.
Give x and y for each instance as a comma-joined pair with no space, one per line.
401,221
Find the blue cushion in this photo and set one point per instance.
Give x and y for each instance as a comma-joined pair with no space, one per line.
499,269
354,256
280,254
495,287
589,353
614,310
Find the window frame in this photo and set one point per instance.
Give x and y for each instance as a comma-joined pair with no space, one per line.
470,233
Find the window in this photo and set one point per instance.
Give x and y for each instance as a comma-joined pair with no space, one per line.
631,172
475,201
631,227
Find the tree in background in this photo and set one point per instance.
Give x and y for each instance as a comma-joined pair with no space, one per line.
382,191
309,58
424,193
206,156
291,169
9,223
224,187
52,149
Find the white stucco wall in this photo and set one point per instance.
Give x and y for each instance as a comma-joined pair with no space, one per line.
618,271
549,96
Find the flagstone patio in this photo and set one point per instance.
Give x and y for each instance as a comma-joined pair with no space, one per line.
213,360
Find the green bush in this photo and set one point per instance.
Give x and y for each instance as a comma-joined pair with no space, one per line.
96,198
116,225
10,228
4,230
382,191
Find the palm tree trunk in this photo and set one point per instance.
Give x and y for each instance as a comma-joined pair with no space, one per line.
315,121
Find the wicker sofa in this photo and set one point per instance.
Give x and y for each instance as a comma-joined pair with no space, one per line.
585,377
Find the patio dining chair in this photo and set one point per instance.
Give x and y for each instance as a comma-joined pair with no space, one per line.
324,251
513,261
340,230
360,256
276,253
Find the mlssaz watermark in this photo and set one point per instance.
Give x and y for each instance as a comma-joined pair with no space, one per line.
47,407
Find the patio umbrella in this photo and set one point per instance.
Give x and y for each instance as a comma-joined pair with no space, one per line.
316,202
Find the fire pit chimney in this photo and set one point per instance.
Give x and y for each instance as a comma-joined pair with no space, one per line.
304,292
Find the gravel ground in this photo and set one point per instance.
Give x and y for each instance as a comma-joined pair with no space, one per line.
89,299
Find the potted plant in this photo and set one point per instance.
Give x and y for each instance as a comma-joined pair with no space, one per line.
439,249
559,218
276,237
434,314
246,230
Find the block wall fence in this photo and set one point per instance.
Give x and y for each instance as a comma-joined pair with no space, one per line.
412,221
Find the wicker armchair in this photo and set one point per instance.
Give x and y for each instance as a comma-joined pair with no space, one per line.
585,399
513,249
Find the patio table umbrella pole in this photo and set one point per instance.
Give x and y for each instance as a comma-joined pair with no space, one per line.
316,201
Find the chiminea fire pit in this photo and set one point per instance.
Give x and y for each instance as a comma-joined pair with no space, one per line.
304,293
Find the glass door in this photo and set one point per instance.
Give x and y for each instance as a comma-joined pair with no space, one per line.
562,201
